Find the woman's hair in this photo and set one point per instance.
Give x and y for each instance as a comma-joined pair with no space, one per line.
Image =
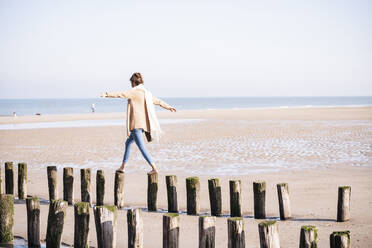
136,78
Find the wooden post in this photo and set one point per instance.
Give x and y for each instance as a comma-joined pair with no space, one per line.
259,191
22,181
9,178
309,237
81,231
171,230
135,228
33,221
343,204
85,185
52,183
340,239
284,203
269,235
235,231
1,182
6,218
100,188
215,197
106,222
152,191
119,189
235,198
68,185
207,231
171,182
56,220
193,195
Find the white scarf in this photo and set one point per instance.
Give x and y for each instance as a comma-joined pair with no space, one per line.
155,129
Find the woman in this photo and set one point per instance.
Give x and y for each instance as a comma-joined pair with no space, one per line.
141,117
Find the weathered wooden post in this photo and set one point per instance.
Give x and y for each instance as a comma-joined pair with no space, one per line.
68,185
340,239
171,230
106,222
100,187
6,218
152,191
284,203
1,182
309,237
235,231
52,182
215,197
9,178
81,230
119,189
56,220
22,181
269,235
171,182
235,198
207,231
259,192
193,195
33,221
85,184
135,228
343,204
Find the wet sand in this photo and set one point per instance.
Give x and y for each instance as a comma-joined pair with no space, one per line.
314,150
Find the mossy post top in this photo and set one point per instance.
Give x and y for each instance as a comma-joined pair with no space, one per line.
261,185
309,228
267,223
59,202
82,208
193,181
345,187
214,179
111,208
283,184
172,215
341,233
9,165
235,219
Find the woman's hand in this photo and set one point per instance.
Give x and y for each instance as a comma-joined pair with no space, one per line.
173,110
103,94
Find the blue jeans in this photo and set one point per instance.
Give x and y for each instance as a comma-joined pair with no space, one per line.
137,136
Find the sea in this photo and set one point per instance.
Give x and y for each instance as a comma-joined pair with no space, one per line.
109,105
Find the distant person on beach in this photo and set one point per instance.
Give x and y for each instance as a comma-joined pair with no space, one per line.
141,118
93,107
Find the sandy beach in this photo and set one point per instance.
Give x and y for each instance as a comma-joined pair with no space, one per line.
314,150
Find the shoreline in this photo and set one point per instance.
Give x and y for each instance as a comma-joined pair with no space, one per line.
290,113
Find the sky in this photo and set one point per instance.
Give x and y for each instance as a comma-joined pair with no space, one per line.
77,49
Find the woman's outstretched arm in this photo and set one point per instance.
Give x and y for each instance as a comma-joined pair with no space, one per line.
121,94
162,104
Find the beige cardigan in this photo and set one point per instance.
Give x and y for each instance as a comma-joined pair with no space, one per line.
136,109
